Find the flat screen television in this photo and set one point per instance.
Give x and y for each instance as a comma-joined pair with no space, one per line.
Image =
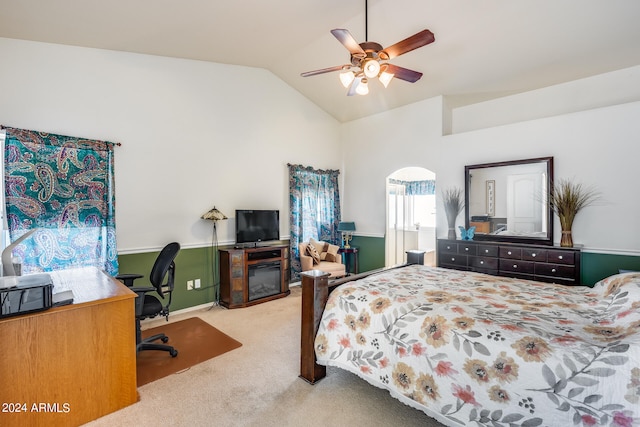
254,226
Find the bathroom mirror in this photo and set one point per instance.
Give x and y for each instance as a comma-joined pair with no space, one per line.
507,201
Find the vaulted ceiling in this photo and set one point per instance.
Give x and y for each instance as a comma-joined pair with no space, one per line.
483,49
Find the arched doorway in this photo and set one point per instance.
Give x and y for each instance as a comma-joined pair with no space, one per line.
411,215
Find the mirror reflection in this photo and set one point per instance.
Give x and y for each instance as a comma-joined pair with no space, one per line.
507,200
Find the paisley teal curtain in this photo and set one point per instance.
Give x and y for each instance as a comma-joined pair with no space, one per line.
417,188
314,209
64,187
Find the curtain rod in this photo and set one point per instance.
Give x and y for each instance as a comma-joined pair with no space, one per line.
117,144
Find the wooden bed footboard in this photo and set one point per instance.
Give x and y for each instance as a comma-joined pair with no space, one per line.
315,292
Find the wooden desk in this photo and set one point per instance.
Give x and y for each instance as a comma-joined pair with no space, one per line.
69,365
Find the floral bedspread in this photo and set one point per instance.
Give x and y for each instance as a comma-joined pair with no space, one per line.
472,349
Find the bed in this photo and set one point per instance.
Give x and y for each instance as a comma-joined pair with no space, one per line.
472,349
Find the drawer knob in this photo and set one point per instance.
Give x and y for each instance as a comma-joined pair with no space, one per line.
486,251
533,255
515,265
466,249
560,257
481,262
509,253
453,259
553,270
448,247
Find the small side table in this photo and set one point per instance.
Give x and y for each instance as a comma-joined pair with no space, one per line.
349,256
415,257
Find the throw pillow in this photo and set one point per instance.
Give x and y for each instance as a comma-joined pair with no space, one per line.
332,253
313,253
319,245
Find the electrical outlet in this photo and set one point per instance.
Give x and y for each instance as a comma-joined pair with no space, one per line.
197,283
189,285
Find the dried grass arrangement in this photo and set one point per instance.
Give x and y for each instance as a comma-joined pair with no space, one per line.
453,200
566,199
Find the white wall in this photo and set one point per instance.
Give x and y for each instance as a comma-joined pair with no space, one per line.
376,146
194,134
597,146
617,87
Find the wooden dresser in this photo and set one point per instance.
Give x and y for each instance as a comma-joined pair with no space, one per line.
552,264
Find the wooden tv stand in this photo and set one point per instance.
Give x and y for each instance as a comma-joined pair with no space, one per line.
253,275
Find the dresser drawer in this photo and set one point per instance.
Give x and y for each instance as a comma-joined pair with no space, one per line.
483,262
486,250
467,249
510,253
561,257
453,259
555,270
538,255
516,266
448,248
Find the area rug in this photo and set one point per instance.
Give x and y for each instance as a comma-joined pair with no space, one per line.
195,340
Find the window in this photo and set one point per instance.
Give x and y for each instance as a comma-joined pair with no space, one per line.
314,207
62,187
414,203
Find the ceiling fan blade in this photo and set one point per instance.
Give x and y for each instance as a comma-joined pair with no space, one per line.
403,73
417,40
345,37
321,71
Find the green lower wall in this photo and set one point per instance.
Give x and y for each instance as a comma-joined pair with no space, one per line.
191,264
598,266
197,263
370,252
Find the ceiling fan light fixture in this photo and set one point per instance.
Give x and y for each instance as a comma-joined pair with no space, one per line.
385,78
368,59
346,78
371,68
363,87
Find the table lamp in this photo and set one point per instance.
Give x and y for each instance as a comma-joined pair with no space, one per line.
347,229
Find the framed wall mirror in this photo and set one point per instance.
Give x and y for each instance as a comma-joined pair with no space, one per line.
507,201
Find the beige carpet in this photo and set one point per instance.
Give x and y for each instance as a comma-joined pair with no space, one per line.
258,385
193,338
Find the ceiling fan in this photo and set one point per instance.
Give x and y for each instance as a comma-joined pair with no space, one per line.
368,60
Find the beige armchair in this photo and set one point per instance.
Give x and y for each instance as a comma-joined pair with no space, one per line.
325,258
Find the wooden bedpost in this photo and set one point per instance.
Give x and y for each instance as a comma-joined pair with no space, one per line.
315,292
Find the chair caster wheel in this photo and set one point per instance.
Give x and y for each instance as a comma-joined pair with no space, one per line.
173,353
165,339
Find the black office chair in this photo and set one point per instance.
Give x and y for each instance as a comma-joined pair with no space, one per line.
148,306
